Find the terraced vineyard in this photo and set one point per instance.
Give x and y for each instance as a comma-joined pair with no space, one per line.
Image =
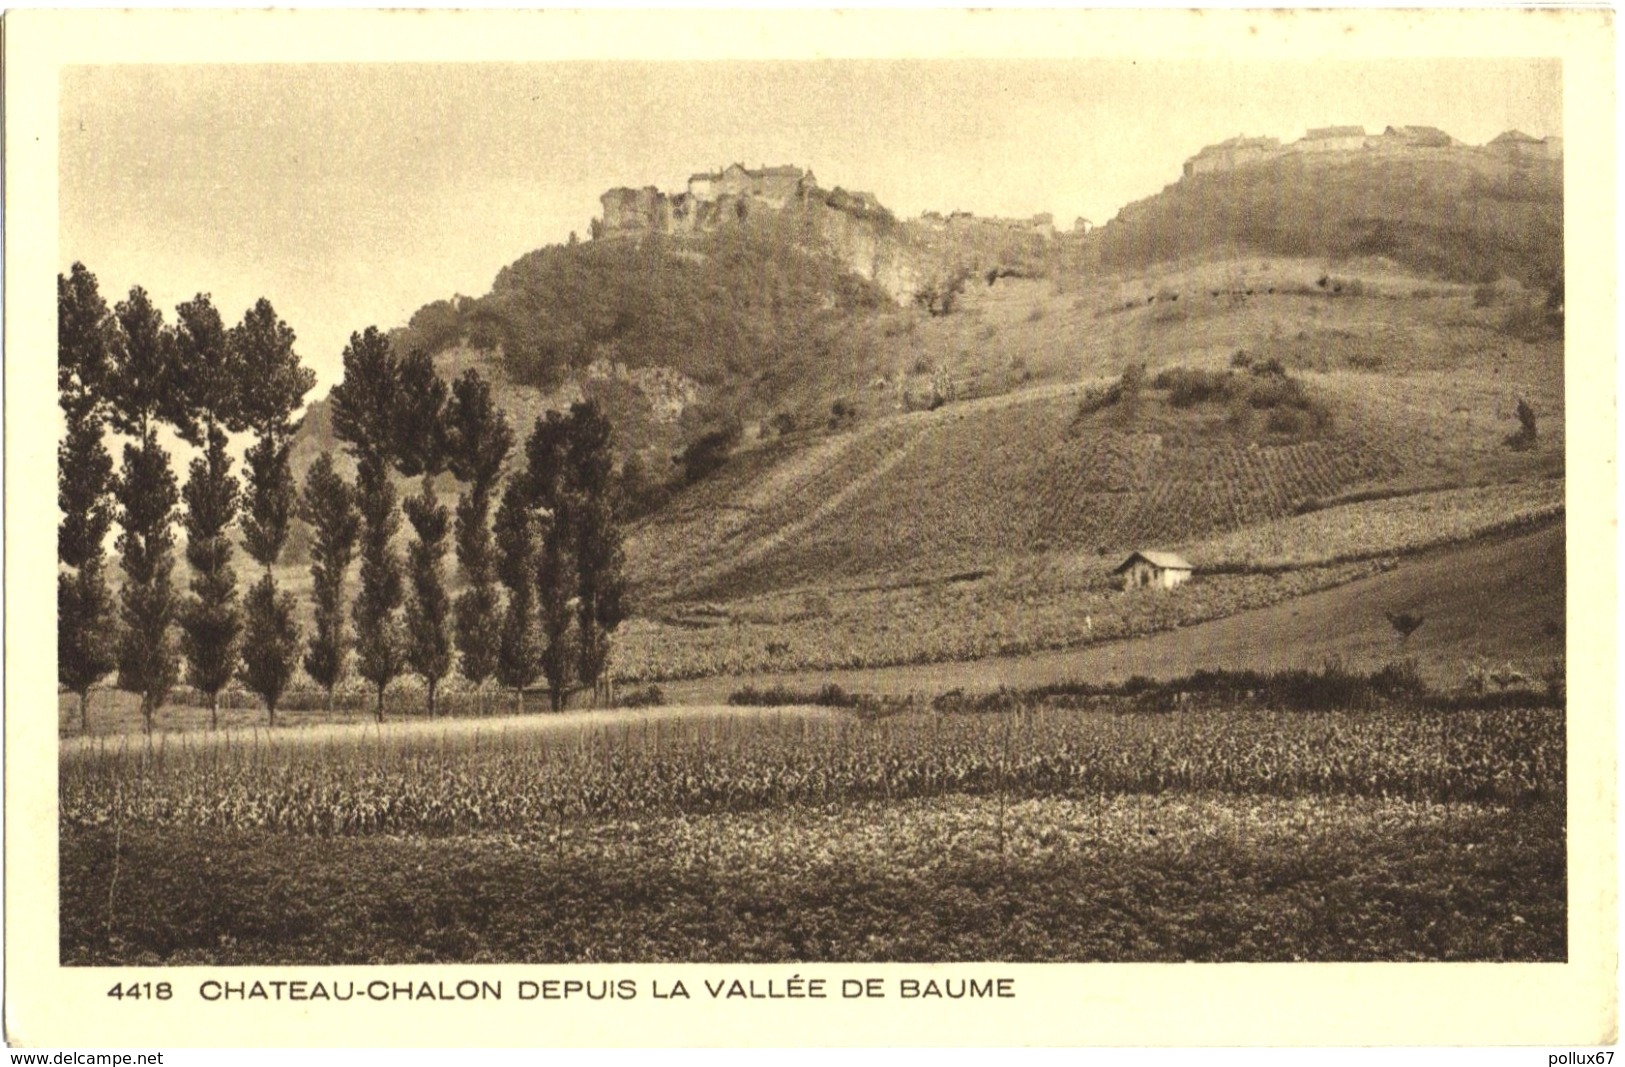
1061,599
1051,606
757,501
980,482
1383,527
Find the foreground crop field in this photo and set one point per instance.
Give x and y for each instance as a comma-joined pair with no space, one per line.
1224,833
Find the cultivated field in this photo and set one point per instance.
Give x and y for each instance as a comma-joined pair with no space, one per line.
1044,834
1490,604
1060,600
980,483
1385,527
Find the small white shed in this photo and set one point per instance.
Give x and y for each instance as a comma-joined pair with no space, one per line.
1160,570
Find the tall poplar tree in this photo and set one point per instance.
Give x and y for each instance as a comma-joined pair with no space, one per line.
144,390
329,506
479,441
420,424
596,542
271,388
547,489
85,616
211,622
364,405
519,651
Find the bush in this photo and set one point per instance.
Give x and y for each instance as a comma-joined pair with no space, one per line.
829,696
842,413
957,701
1286,421
940,297
1555,679
709,451
1331,687
648,697
1524,437
641,491
1187,387
1126,388
1102,397
1171,312
1098,398
1528,320
1132,382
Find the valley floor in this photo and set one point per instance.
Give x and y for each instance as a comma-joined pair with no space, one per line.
1494,601
1127,878
1490,602
1229,832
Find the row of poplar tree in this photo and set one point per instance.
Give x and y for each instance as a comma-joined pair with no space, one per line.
555,544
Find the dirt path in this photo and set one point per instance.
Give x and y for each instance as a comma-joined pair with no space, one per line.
360,730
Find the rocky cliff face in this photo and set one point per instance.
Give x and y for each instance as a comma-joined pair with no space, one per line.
902,257
880,253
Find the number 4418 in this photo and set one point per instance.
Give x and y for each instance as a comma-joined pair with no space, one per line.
141,991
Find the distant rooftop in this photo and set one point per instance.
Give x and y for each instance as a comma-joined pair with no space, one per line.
786,170
1169,561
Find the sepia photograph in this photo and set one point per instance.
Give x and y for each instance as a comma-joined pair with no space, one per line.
736,510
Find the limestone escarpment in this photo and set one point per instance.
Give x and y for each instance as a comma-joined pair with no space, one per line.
902,257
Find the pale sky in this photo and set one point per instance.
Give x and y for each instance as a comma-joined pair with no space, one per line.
350,195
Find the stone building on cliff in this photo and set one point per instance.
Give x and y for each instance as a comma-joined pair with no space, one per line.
1515,144
1332,139
710,198
1236,152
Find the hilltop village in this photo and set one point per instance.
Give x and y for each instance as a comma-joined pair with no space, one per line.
1245,151
735,191
920,256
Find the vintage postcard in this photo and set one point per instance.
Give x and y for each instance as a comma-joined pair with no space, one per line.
783,528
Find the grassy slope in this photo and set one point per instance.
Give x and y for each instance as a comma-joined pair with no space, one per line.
1458,213
1421,379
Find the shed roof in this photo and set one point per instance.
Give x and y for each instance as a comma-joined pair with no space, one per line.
1335,131
1168,561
